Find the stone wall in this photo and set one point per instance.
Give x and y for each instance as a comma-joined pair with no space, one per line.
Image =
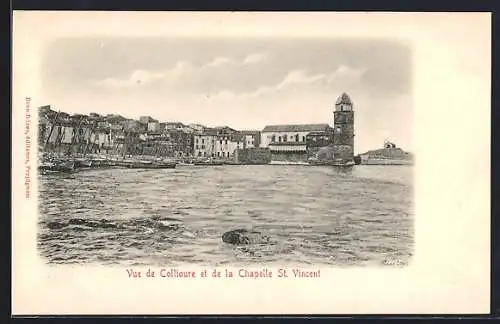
254,155
343,152
325,153
289,156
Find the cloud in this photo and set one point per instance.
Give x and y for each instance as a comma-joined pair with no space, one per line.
346,74
219,61
296,77
137,77
299,77
225,95
342,76
184,76
254,58
144,77
182,69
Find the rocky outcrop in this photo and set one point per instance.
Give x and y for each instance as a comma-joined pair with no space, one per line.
388,153
243,236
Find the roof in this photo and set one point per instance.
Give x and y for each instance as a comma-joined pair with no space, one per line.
225,128
321,132
207,132
287,143
296,128
249,132
344,99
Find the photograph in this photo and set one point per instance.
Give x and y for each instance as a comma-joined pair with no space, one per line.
226,151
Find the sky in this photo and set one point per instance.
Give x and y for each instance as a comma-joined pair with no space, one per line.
244,82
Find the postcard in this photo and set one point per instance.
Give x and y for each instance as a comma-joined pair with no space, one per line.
177,163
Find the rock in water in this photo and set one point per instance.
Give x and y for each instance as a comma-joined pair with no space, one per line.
243,236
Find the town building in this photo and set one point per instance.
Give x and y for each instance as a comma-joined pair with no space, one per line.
116,127
204,143
227,142
156,144
197,128
146,119
251,138
289,142
153,126
132,125
174,125
182,143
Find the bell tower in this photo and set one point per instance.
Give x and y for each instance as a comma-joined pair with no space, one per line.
343,123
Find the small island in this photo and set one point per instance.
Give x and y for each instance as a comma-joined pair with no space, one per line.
390,154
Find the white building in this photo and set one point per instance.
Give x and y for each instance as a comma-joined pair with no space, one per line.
205,144
153,126
250,139
288,138
226,145
197,127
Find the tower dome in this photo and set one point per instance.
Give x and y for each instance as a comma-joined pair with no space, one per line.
344,99
343,102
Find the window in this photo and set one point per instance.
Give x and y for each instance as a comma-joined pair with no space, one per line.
279,139
203,147
303,138
227,154
296,137
218,153
196,147
226,142
284,138
196,140
220,142
199,153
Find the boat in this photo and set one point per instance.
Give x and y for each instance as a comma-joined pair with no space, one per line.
344,164
357,160
83,163
209,162
185,163
229,162
152,165
288,163
335,163
57,166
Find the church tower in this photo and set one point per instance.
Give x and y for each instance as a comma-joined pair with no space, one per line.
343,123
